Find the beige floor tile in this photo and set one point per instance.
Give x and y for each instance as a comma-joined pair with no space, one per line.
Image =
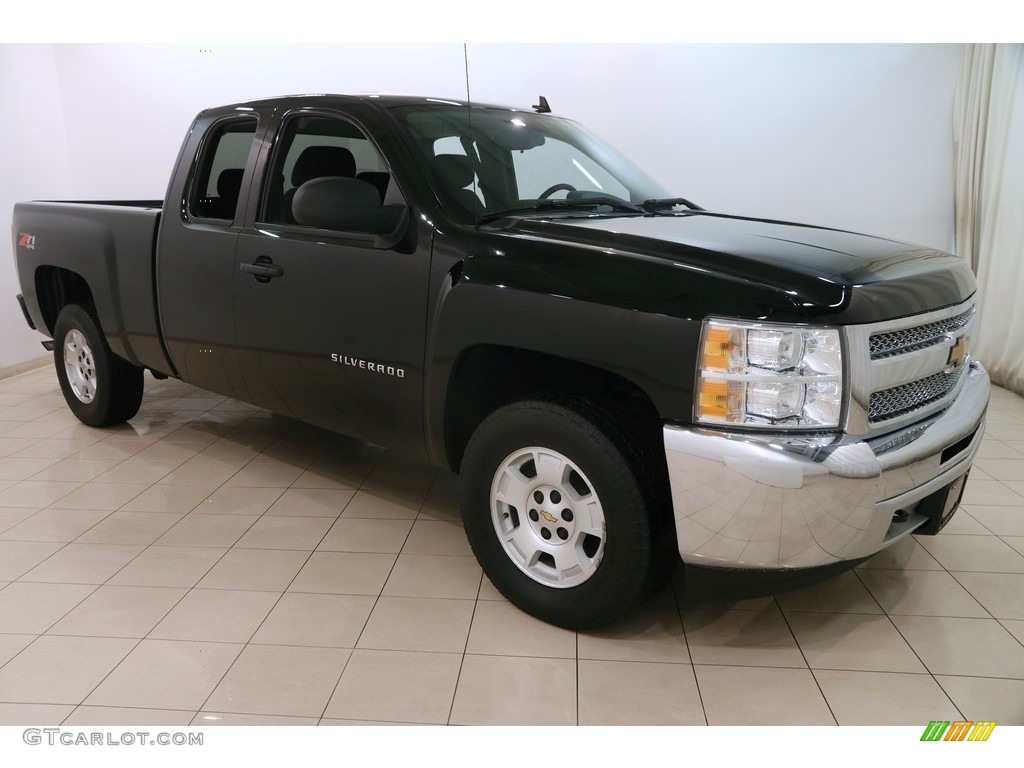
438,537
973,553
311,502
34,714
34,608
844,593
127,716
121,527
1017,487
418,624
921,593
96,495
397,687
82,470
137,469
852,642
206,719
383,504
331,621
344,573
161,566
333,475
505,690
20,557
60,525
83,563
282,532
201,470
884,698
279,680
990,492
488,591
263,570
169,498
219,616
1017,542
905,555
55,449
354,534
36,493
1011,469
956,646
501,629
60,670
434,576
748,638
633,693
963,523
1002,594
761,696
13,644
652,633
204,530
166,674
113,611
981,698
1002,521
36,429
1015,628
238,501
12,468
10,517
265,474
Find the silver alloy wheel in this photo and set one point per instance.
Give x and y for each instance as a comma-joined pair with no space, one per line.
79,366
548,517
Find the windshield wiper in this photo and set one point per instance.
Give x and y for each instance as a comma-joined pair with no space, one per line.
575,203
658,204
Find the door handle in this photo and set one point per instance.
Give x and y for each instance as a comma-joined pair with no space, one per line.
263,269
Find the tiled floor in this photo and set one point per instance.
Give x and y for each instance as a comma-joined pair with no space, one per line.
213,564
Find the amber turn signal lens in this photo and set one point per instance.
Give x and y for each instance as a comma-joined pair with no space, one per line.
714,399
717,345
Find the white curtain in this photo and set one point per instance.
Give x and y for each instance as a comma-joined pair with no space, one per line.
989,200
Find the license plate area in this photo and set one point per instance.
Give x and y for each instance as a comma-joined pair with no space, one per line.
939,507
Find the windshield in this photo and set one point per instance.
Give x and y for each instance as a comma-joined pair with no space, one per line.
489,161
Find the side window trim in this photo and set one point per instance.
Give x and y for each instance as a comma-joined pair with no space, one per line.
203,166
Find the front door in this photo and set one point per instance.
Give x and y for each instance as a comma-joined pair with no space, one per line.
329,328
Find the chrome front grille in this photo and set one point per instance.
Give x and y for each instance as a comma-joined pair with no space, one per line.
904,399
922,336
906,369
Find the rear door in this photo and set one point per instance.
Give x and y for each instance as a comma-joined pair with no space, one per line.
330,329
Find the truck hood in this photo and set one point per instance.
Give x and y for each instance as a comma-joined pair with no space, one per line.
827,274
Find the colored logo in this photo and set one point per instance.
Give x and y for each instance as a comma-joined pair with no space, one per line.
958,730
957,353
25,240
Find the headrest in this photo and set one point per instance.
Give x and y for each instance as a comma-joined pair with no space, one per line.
333,202
229,182
454,171
323,161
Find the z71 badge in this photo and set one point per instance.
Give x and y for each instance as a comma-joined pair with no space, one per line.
27,241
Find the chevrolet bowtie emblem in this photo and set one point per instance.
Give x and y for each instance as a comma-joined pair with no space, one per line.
957,353
548,516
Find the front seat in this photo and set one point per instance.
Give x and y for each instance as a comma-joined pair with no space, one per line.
454,173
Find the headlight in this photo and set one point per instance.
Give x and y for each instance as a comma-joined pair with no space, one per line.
772,376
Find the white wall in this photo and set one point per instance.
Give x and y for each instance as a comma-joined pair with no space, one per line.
852,136
33,163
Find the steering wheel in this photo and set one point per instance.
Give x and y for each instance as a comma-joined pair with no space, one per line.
556,188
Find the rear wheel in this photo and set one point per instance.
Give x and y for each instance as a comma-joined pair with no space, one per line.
99,387
557,511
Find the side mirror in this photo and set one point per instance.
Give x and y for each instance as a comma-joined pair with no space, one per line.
349,205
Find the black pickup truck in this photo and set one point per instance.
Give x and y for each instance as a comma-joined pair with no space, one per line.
620,377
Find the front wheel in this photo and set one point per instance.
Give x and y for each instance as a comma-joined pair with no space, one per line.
556,511
99,387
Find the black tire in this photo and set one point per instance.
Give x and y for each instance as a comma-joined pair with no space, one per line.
596,463
99,387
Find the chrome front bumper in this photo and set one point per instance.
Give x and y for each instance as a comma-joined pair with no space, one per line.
776,502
